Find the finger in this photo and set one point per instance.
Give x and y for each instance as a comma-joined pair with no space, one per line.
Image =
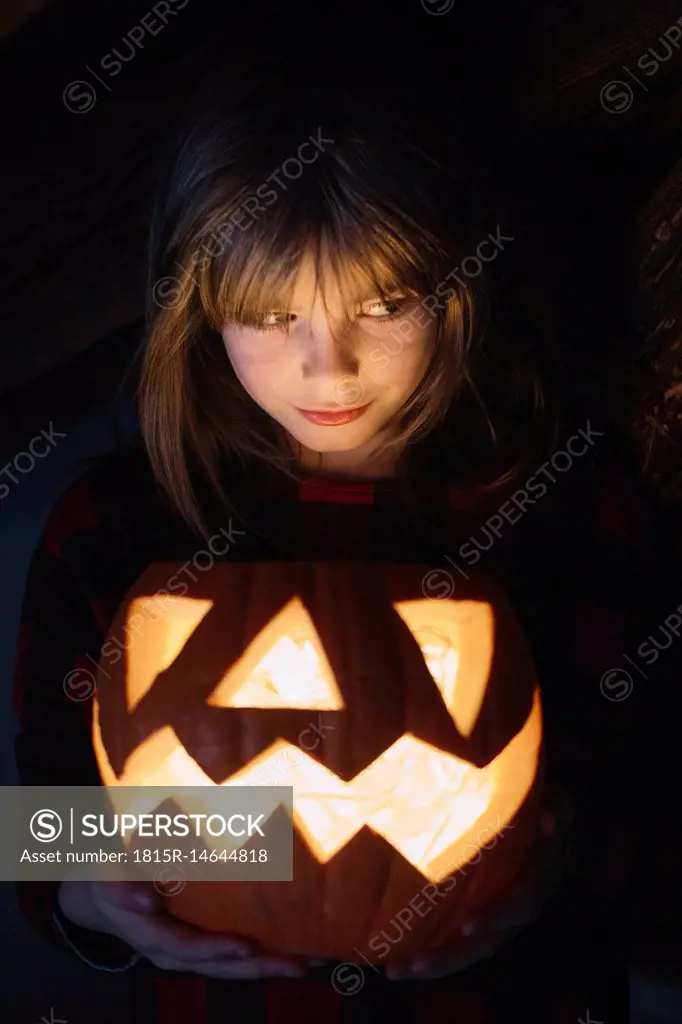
161,933
261,967
164,962
412,973
505,921
251,969
180,940
525,891
439,965
139,896
394,974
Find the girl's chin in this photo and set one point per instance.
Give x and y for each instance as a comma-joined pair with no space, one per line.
331,449
343,438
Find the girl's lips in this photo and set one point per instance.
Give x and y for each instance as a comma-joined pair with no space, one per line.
329,418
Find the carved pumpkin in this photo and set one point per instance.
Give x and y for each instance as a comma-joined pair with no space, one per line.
429,746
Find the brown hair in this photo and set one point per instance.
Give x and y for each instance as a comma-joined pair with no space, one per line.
374,202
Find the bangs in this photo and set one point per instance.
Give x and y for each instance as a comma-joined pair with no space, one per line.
356,246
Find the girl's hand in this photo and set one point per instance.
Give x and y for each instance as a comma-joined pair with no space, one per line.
133,912
482,937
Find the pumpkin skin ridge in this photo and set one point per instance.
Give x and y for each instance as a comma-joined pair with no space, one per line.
395,874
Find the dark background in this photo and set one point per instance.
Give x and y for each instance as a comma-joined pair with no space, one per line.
600,190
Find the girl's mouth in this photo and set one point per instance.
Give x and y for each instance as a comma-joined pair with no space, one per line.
332,418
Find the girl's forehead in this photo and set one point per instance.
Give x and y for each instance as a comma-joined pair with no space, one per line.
335,284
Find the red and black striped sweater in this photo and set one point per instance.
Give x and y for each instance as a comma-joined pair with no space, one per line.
569,544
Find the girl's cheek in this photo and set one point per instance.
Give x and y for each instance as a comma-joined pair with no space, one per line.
251,349
396,355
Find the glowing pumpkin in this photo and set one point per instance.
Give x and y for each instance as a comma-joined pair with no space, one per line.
427,748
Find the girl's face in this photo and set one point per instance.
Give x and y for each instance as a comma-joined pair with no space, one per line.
336,380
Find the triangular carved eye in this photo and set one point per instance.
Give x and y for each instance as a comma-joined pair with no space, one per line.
456,639
165,622
285,666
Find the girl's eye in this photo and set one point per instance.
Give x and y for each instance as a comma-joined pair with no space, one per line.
388,310
270,322
376,310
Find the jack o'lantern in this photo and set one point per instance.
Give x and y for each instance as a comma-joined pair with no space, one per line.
426,771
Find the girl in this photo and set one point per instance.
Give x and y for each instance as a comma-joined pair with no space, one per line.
326,374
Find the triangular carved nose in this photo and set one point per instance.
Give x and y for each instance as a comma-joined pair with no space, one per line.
285,666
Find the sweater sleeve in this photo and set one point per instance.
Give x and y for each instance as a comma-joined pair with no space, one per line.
606,590
621,596
54,683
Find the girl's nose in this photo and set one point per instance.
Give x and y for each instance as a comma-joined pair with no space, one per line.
327,356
